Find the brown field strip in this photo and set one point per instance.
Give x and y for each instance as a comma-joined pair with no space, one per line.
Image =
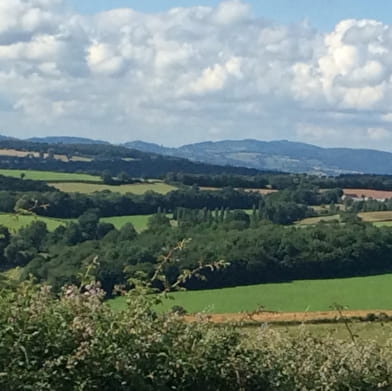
368,193
64,158
376,216
290,317
15,153
261,191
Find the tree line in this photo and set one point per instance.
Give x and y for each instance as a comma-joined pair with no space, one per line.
282,181
256,250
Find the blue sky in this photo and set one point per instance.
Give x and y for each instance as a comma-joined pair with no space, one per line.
322,14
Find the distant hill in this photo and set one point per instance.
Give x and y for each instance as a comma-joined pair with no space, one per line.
279,156
96,158
65,140
5,137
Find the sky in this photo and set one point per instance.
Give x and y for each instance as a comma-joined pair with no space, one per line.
178,72
324,14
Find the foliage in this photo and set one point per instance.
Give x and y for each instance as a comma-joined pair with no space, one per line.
63,205
257,251
75,342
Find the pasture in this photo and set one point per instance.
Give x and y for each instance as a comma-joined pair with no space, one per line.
137,188
50,176
383,224
318,219
375,217
139,222
14,222
360,293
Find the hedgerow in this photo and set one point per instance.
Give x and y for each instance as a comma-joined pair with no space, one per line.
74,341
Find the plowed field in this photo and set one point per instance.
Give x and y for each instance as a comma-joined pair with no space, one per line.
376,194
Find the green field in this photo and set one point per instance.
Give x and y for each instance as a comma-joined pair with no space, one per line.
383,224
14,222
361,293
138,188
318,219
139,222
50,176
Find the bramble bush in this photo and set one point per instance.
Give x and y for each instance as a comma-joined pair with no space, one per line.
75,341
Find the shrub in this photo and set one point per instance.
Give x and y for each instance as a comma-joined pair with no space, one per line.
76,342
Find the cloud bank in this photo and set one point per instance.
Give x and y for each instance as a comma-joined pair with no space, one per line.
192,74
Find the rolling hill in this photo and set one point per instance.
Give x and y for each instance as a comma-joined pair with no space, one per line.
279,156
65,140
95,158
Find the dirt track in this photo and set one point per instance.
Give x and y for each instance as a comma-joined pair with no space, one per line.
289,317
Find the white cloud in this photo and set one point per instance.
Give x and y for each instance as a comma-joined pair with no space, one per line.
215,78
231,12
378,133
191,74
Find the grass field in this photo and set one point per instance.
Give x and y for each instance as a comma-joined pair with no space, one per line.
15,222
139,222
50,176
374,217
315,220
362,293
383,224
138,188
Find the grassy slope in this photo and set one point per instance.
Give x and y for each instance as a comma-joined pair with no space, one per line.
383,224
316,295
315,220
70,187
50,176
15,222
376,216
139,222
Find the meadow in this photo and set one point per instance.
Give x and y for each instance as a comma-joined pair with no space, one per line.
50,176
360,293
14,222
375,217
318,219
383,224
137,188
139,222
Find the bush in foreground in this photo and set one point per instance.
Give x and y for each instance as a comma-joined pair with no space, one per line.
76,342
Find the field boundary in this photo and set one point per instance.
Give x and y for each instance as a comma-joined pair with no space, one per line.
291,318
